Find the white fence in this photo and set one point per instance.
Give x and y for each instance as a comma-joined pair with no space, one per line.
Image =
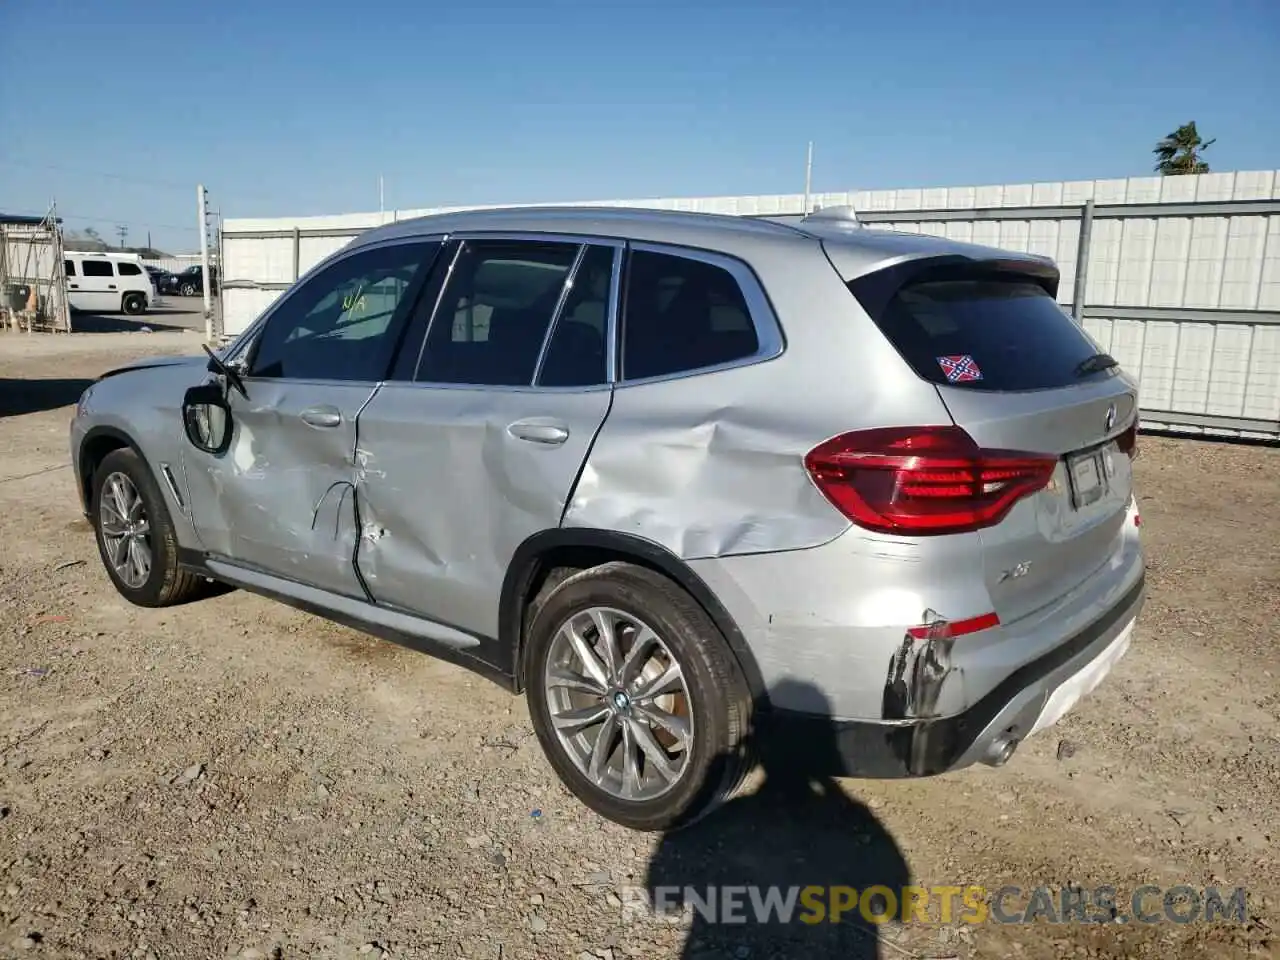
1181,280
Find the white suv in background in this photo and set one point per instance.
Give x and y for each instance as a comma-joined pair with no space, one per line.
108,283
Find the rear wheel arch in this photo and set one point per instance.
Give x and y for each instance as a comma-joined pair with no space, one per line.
546,558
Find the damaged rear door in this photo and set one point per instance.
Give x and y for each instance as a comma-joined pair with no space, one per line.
281,499
478,442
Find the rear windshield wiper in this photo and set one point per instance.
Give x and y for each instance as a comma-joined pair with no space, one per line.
1099,361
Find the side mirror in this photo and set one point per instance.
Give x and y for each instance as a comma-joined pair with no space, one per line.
206,418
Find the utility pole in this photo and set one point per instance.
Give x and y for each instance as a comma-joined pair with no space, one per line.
123,232
381,206
202,205
808,178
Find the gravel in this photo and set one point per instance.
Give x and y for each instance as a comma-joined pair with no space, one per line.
234,778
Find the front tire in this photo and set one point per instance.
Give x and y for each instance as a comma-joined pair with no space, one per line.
134,304
135,534
636,698
188,290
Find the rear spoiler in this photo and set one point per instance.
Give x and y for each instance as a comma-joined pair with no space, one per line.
875,289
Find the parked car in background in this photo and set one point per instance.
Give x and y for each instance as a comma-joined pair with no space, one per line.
163,280
108,283
190,281
687,481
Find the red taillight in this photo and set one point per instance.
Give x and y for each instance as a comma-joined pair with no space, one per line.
923,480
1128,441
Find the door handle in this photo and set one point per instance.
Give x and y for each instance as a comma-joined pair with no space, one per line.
74,286
536,431
111,286
321,416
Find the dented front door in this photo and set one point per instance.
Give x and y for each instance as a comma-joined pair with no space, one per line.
281,499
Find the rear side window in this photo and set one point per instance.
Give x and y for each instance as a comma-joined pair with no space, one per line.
97,268
129,269
495,311
576,353
682,314
980,331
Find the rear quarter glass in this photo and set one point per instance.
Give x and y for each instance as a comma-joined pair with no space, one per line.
978,329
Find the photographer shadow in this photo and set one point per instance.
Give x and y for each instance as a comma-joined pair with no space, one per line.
798,831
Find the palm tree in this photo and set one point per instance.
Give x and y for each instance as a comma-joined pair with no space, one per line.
1180,152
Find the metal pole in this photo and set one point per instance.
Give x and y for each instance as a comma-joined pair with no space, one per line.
808,178
1082,261
59,270
204,262
381,208
221,326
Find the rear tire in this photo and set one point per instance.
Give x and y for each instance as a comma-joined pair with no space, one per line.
133,304
135,534
709,698
188,290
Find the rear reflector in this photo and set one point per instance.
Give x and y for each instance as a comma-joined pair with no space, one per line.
920,481
943,629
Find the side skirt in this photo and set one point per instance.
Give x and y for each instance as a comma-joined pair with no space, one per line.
484,656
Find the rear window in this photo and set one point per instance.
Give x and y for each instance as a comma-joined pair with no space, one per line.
980,332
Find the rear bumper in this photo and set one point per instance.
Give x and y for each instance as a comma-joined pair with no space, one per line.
987,732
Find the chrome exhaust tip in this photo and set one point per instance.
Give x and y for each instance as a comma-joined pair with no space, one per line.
1000,751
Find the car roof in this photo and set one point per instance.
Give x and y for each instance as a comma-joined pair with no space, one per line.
853,249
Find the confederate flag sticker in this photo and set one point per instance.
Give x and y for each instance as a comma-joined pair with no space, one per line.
960,368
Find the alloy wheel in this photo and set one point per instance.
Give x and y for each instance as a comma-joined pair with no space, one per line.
125,530
619,703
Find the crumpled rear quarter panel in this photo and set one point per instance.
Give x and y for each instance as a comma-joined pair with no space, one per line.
712,464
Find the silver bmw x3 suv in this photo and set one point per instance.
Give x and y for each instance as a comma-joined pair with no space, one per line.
689,482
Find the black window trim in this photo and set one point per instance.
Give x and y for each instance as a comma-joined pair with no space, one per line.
584,242
248,355
769,336
769,332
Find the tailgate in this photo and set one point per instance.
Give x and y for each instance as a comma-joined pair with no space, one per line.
1017,374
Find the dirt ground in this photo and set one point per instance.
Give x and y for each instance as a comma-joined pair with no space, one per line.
236,779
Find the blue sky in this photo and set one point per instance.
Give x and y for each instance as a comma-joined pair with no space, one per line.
292,108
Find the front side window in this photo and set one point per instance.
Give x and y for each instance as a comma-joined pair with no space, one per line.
495,311
129,269
341,324
682,314
69,267
98,268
